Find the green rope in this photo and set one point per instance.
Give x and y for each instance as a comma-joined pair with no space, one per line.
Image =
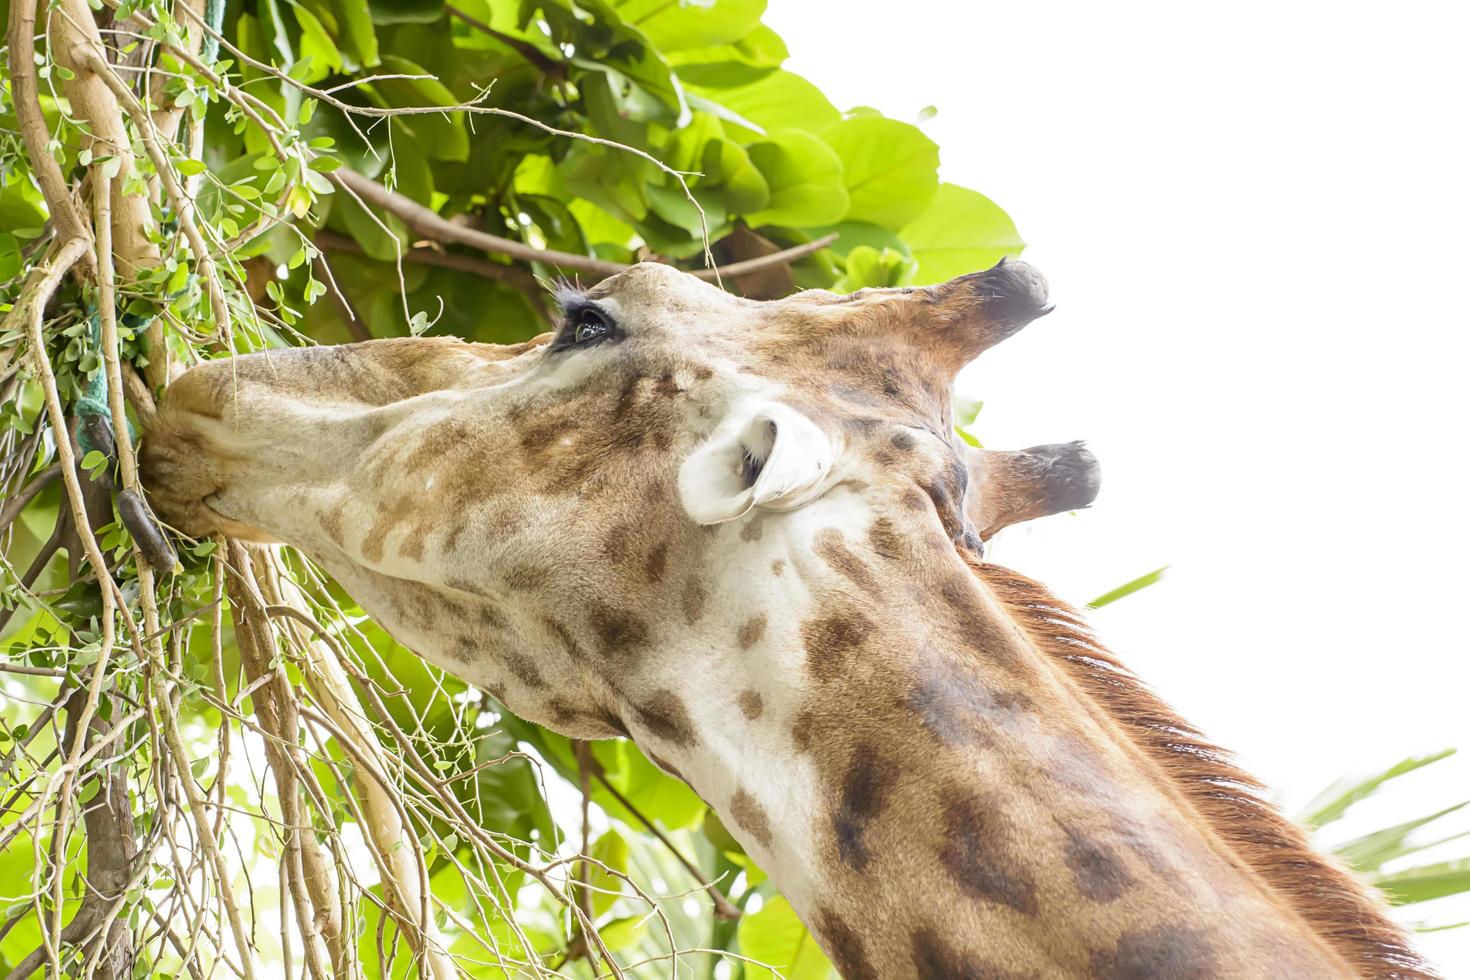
93,403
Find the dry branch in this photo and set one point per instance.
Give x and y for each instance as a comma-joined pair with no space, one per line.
429,224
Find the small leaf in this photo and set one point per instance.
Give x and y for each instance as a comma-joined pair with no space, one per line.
1128,588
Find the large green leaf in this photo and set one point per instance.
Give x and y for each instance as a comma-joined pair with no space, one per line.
684,24
804,176
961,231
775,937
772,100
761,48
891,169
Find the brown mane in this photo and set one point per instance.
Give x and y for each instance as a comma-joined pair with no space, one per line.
1345,913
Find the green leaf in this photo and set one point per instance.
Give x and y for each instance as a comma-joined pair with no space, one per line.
1371,851
867,267
804,177
774,936
1426,882
316,44
93,460
698,24
891,169
1128,588
10,261
611,850
624,933
406,11
771,99
358,34
961,231
190,167
1336,799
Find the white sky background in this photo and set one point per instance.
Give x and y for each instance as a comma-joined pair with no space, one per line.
1254,219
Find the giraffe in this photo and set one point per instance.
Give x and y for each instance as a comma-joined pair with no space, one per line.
743,534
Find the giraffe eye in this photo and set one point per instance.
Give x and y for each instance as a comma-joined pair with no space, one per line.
591,326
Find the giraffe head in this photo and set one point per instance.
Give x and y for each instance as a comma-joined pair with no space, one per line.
527,515
583,474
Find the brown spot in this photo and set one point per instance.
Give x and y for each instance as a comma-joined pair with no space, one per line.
666,766
331,522
830,640
830,547
903,440
957,707
977,855
619,542
665,716
562,713
751,816
525,671
751,631
801,731
885,539
656,562
692,601
612,721
568,641
389,517
412,547
935,959
491,618
1166,952
754,527
620,631
1100,876
703,373
526,578
751,704
865,789
844,946
778,566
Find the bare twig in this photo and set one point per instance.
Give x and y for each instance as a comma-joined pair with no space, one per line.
723,908
17,503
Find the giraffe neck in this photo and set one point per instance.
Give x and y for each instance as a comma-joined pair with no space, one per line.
931,794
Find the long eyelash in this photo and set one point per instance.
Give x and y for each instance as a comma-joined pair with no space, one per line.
569,298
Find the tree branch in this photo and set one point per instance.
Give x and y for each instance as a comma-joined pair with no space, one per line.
429,224
20,36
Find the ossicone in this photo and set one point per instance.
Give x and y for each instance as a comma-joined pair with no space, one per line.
976,311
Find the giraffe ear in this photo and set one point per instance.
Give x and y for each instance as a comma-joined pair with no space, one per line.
763,455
